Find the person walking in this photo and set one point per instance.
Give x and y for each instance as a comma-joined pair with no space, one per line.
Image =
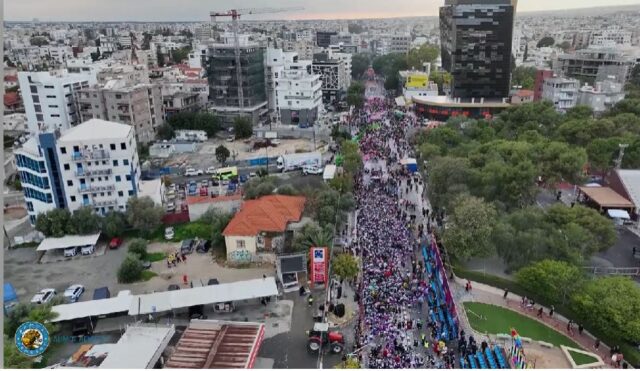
539,315
506,292
551,311
580,329
597,344
310,300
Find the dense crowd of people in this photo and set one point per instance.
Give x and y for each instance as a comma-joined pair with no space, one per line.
395,330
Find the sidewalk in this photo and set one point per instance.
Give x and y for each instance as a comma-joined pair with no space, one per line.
490,295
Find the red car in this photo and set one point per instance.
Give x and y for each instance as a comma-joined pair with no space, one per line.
115,243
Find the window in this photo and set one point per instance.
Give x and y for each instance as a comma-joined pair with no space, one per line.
55,115
108,193
53,106
131,192
34,89
125,162
99,178
115,162
67,167
128,177
76,149
104,162
73,198
48,86
102,194
123,145
63,150
30,206
118,178
37,108
240,245
113,146
70,183
120,193
51,97
39,117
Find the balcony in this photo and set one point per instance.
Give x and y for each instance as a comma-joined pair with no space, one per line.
93,172
106,203
90,155
94,189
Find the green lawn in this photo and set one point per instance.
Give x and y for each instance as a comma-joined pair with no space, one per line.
156,256
498,320
147,275
582,359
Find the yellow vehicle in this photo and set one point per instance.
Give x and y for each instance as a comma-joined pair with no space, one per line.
226,173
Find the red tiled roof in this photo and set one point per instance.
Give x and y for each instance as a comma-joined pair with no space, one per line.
11,98
191,200
266,214
524,93
10,78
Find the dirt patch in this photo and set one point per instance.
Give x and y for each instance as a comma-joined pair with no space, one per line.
14,213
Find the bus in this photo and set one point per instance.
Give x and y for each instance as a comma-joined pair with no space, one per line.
226,173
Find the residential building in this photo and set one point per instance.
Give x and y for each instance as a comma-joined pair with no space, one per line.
274,65
562,92
13,102
50,99
138,105
585,64
204,32
92,164
298,92
541,75
180,102
303,48
476,46
521,96
335,71
416,84
323,38
259,226
611,37
601,97
395,43
223,80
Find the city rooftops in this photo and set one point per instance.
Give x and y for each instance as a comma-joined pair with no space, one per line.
94,129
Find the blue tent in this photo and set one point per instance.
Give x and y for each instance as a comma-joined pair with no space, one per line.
9,293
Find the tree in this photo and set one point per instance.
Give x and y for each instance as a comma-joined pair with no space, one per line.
469,228
355,28
428,151
611,305
524,76
426,53
352,163
565,45
222,154
331,206
130,270
258,187
242,127
114,224
345,266
312,235
441,78
448,177
138,247
579,112
286,190
144,215
355,94
179,55
85,221
601,153
13,358
55,223
550,280
165,131
546,41
342,183
206,121
359,64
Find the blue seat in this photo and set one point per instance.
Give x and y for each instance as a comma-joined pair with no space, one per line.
480,359
472,361
490,359
463,364
500,356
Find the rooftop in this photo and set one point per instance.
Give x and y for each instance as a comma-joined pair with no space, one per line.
140,347
631,181
53,243
267,214
210,344
96,129
606,197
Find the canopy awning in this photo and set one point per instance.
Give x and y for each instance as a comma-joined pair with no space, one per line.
618,214
607,198
9,292
65,242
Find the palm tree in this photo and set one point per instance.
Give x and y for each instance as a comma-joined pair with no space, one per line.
311,235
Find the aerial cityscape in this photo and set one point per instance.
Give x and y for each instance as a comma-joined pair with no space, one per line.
449,184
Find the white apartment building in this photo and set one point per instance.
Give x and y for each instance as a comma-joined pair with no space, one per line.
603,96
563,92
93,164
298,92
49,99
273,67
335,71
611,37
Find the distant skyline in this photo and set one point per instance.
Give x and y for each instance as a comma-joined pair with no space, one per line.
198,10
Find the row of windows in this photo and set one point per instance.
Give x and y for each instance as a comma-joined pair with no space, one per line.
31,164
106,179
40,196
102,194
28,178
123,146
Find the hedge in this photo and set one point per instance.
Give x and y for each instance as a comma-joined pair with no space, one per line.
631,353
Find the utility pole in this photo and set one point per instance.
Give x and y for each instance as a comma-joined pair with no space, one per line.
622,147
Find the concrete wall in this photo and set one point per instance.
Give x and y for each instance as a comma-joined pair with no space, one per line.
197,210
236,255
305,115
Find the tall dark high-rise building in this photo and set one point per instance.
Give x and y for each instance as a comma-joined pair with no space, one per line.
476,37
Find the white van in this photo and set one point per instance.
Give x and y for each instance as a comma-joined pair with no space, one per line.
70,252
87,250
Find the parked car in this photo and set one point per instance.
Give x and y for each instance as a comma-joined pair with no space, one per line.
44,296
193,172
115,243
314,170
169,233
73,292
213,281
203,246
210,170
87,250
146,264
173,287
101,293
187,246
70,252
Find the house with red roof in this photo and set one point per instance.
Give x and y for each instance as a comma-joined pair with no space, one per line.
260,225
13,103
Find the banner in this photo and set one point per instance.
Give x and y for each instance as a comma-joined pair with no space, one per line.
319,265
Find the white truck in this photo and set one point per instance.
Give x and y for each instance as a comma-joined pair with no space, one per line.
295,161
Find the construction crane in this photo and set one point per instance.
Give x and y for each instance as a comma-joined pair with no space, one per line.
235,16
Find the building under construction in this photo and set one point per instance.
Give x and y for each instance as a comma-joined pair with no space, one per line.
223,80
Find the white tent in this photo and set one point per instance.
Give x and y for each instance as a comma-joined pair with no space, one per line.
618,214
93,308
329,172
52,243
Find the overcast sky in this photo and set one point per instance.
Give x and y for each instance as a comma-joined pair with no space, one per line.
197,10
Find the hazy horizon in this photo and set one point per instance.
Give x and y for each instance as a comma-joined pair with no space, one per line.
198,10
